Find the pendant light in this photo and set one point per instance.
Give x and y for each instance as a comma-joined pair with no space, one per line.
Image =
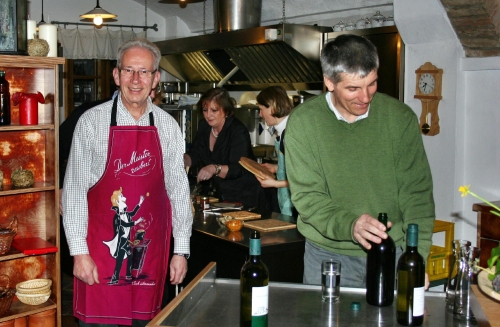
42,21
98,14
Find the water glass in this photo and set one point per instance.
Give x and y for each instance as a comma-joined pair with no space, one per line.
330,280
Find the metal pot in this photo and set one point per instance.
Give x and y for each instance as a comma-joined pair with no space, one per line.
230,15
303,96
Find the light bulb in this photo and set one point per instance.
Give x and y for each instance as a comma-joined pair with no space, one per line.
98,20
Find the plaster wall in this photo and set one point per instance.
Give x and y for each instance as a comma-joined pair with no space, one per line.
128,12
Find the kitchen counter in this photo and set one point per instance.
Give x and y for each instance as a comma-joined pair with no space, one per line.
212,302
282,251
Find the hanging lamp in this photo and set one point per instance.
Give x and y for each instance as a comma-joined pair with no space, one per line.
98,14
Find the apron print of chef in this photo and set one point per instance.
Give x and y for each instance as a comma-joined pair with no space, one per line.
117,238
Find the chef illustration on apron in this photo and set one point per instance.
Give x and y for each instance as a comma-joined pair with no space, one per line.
129,245
284,197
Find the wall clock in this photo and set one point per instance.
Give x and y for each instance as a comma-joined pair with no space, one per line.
428,91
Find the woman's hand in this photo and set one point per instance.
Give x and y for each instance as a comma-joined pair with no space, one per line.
206,173
271,167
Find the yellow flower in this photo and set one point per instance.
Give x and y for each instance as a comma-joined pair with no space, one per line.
465,189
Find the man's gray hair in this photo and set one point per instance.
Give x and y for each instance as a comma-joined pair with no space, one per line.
350,54
138,43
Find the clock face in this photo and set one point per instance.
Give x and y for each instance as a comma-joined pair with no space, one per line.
426,83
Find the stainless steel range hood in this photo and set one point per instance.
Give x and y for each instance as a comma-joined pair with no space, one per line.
285,54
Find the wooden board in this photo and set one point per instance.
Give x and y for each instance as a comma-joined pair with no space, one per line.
255,168
269,225
243,215
210,199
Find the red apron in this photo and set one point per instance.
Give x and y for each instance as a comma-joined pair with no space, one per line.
128,240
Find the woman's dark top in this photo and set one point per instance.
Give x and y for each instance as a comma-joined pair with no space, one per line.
232,143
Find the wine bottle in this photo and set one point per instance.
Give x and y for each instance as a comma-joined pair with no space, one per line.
380,270
411,282
254,290
4,100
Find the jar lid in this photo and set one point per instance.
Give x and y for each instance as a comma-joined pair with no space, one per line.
378,16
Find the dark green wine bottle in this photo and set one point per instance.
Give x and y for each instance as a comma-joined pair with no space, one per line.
254,289
380,270
4,100
411,282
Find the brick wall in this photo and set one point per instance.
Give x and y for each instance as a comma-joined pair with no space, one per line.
477,24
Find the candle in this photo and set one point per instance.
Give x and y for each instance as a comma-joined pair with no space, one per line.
28,111
48,32
31,27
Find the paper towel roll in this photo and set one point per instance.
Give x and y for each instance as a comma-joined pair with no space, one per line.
31,27
48,32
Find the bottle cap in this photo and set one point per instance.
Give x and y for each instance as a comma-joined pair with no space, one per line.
412,235
355,306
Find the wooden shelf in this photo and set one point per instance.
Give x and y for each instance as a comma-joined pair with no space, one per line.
7,189
22,128
19,309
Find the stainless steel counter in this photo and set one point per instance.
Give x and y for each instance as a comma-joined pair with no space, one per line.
212,302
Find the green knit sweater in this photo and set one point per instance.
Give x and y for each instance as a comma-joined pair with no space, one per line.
338,171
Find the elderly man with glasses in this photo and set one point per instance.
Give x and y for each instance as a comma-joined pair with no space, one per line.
131,145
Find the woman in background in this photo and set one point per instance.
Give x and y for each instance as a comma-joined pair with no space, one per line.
219,144
275,106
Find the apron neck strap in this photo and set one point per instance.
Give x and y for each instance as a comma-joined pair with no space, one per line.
114,110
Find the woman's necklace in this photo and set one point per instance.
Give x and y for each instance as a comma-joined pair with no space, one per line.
213,133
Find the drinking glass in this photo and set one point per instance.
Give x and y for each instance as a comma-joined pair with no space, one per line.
330,280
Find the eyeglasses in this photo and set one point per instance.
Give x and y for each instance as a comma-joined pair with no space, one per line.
143,73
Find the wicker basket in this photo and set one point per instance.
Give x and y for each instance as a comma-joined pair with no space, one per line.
7,235
6,294
33,299
34,286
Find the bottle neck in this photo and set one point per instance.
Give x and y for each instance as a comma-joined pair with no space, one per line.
254,247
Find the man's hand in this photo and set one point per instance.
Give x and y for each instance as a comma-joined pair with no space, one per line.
85,269
178,269
367,228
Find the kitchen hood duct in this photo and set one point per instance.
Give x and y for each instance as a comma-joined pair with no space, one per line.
285,54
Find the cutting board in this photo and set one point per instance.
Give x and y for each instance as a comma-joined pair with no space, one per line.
243,215
269,225
210,199
255,168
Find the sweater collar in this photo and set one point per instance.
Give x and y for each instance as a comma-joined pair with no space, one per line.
338,114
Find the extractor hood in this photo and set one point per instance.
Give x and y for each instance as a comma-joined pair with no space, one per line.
248,59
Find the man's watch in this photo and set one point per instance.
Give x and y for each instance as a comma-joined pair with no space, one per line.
185,255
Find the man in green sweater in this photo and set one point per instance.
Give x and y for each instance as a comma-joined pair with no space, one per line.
351,154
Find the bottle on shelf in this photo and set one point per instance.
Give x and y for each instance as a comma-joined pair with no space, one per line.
411,282
380,270
254,290
4,100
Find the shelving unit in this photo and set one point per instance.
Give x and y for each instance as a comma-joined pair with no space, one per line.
36,208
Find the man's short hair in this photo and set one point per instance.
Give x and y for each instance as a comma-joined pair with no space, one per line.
138,43
350,54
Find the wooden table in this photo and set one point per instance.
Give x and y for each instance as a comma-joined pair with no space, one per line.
485,309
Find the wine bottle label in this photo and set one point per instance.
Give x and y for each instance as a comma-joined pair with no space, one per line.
418,301
260,301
